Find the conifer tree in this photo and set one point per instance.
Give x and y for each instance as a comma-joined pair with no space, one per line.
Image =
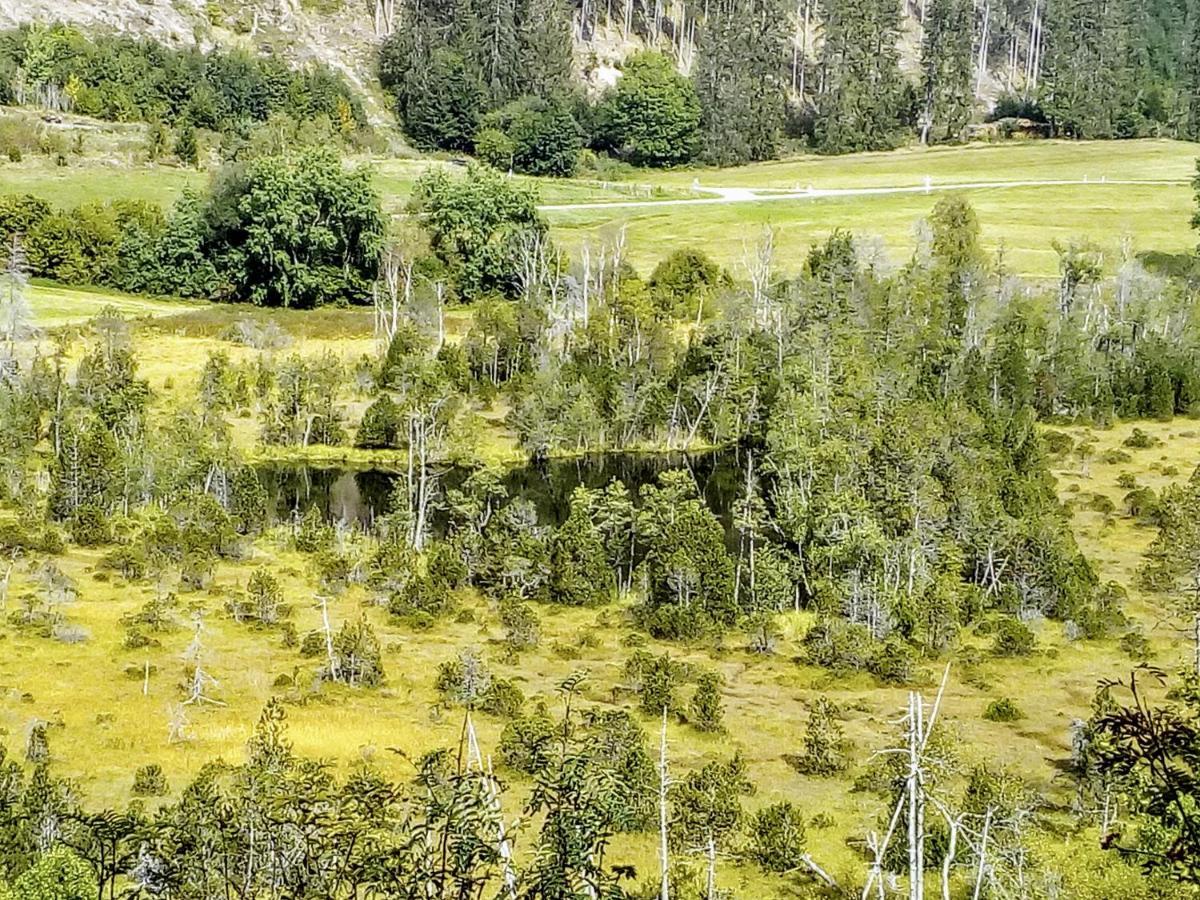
946,48
740,80
858,103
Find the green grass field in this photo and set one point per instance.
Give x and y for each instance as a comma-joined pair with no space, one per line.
53,305
1023,221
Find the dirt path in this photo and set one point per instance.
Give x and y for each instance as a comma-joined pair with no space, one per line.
727,195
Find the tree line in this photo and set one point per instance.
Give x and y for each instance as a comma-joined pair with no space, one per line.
741,80
127,79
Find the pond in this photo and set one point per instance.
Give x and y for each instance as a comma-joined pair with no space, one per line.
361,495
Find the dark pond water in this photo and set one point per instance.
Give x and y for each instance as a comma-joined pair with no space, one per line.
360,495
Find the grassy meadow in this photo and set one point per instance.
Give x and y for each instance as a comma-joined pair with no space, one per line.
1021,223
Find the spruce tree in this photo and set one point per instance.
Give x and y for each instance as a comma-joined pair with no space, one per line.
858,105
740,81
946,50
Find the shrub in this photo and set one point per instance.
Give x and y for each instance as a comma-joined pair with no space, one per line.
1140,440
521,626
526,742
88,526
825,747
706,710
57,875
1003,710
464,680
503,699
1013,638
1056,443
149,781
655,679
1134,645
777,838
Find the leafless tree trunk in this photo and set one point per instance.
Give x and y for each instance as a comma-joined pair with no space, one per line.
663,785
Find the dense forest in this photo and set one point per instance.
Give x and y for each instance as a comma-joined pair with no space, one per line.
725,83
757,74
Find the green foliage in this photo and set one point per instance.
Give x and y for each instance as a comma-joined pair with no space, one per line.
357,655
57,875
684,282
464,680
777,837
123,78
946,69
476,226
651,117
539,137
689,568
1003,710
579,571
1148,751
294,231
149,781
521,625
186,148
826,750
455,62
738,81
1013,638
706,709
706,804
859,105
655,679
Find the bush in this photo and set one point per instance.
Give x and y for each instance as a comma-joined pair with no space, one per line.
777,838
57,875
655,679
149,781
1013,638
521,625
542,137
706,710
1003,710
465,680
825,747
1134,645
503,699
1140,440
526,741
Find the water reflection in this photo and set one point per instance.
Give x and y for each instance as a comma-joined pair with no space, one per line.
361,495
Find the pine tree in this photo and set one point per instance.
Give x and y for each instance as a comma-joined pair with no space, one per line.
187,150
858,103
740,79
579,570
1093,61
946,49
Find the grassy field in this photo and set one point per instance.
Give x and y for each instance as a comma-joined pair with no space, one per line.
1021,221
53,305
